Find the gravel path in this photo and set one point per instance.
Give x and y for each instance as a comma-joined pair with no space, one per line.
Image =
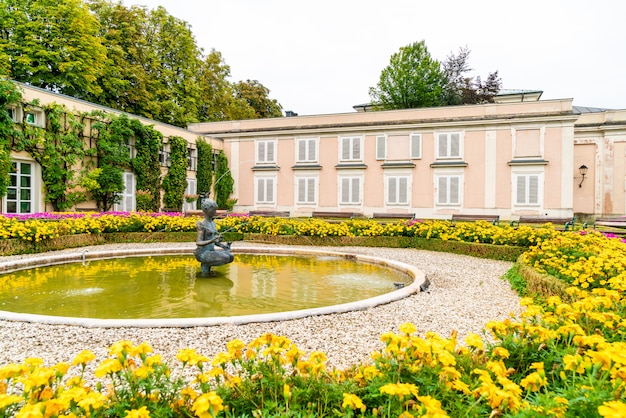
464,294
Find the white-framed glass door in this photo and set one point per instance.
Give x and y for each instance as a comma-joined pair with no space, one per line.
20,193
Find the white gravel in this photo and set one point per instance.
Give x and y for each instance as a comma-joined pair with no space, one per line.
464,294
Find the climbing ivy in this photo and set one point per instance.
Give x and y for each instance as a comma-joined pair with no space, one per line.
204,175
58,148
175,181
148,143
10,94
103,176
224,182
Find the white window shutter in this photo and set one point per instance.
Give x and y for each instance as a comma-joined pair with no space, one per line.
380,148
270,153
392,192
302,150
455,145
356,193
311,191
521,190
345,149
312,150
533,189
261,152
442,191
403,190
416,146
270,190
345,190
454,190
443,145
301,190
356,149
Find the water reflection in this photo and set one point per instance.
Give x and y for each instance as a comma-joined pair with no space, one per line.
170,286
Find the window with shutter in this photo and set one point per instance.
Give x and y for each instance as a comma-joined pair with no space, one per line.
398,190
350,190
449,190
307,150
449,145
265,152
351,149
527,189
306,190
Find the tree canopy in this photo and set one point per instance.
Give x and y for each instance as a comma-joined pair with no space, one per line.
414,79
133,59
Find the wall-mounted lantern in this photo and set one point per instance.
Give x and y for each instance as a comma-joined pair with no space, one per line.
583,172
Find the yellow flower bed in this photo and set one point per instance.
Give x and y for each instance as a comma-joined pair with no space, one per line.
558,359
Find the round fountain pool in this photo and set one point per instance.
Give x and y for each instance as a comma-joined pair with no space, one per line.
141,288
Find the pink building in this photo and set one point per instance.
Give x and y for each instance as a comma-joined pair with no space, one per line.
508,159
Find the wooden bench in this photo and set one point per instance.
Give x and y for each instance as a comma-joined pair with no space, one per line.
615,225
494,219
269,213
87,210
566,222
336,215
384,216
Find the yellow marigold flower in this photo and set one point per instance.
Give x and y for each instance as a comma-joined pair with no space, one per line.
83,357
612,409
286,391
433,407
39,377
474,340
353,402
120,348
138,413
533,382
188,392
207,405
401,390
408,328
94,400
108,366
152,360
31,411
143,348
500,352
6,400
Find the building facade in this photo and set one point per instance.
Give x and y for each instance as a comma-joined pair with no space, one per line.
519,156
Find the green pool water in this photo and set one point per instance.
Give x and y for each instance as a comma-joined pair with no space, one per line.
172,287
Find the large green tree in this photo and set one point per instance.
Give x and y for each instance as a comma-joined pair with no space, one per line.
412,79
218,100
53,44
257,96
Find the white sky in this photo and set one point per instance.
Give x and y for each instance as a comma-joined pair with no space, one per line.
322,56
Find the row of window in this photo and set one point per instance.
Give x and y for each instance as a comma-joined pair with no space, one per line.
449,145
35,117
448,190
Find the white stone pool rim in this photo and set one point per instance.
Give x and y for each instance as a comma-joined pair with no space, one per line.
419,280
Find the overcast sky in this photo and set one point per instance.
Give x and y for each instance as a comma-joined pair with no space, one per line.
322,56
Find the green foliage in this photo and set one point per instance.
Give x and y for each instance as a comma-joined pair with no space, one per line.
52,44
175,181
58,148
412,79
257,97
461,89
224,181
204,173
148,143
9,94
112,134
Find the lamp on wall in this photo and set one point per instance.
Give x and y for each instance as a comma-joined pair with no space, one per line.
583,172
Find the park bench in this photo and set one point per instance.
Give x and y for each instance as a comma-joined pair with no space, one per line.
615,225
494,219
567,222
269,213
336,215
393,216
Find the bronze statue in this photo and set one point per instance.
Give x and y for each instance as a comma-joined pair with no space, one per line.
208,238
